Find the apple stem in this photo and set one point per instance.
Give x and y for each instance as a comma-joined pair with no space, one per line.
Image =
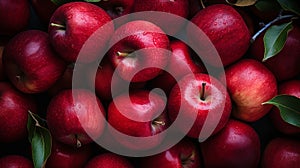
202,94
18,77
159,122
78,143
202,4
122,54
57,25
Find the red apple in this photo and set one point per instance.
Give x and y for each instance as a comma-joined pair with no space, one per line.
282,152
72,24
30,62
291,87
75,117
236,145
15,161
139,48
285,64
116,8
249,84
14,107
14,16
200,97
139,114
109,160
226,29
183,154
44,9
2,73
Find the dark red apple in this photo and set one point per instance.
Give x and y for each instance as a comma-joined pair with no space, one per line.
30,62
282,152
226,29
2,73
291,87
139,48
249,84
116,8
14,107
236,145
109,160
44,9
14,16
15,161
72,24
75,117
285,64
200,97
185,154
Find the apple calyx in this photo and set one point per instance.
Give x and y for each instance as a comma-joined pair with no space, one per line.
78,143
187,161
60,26
202,93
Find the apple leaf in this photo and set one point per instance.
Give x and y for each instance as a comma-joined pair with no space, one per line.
242,2
275,38
290,5
40,139
267,6
94,0
289,107
60,2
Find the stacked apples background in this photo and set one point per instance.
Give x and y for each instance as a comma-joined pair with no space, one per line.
253,99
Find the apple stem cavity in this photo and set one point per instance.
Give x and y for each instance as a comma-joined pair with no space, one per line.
202,94
78,143
58,25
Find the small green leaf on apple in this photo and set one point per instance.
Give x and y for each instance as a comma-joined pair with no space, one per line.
241,2
40,139
290,5
275,38
289,107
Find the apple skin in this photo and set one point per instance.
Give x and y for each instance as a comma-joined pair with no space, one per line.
14,113
140,114
145,64
109,160
186,95
289,55
64,156
249,84
236,145
18,161
14,16
282,152
74,118
30,62
116,8
44,9
290,87
78,21
226,29
2,73
184,154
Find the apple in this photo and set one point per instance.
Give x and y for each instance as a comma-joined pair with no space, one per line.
281,152
139,114
2,73
64,156
236,145
44,9
226,29
14,16
109,160
75,117
14,107
116,8
19,161
139,48
249,84
285,64
184,154
30,62
200,97
73,23
290,87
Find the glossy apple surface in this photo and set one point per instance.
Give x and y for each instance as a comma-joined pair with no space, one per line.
109,160
11,161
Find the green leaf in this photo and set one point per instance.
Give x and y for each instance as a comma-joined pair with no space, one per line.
289,107
40,139
61,2
290,5
267,6
242,2
95,0
275,38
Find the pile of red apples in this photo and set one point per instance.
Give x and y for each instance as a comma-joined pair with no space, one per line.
40,44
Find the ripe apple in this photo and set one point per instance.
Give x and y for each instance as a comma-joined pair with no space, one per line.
73,23
116,8
2,74
236,145
14,16
14,107
226,29
200,97
139,48
19,161
109,160
139,114
184,154
249,84
30,62
290,87
75,117
44,9
285,64
282,152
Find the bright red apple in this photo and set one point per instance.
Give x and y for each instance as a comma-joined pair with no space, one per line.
15,161
109,160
